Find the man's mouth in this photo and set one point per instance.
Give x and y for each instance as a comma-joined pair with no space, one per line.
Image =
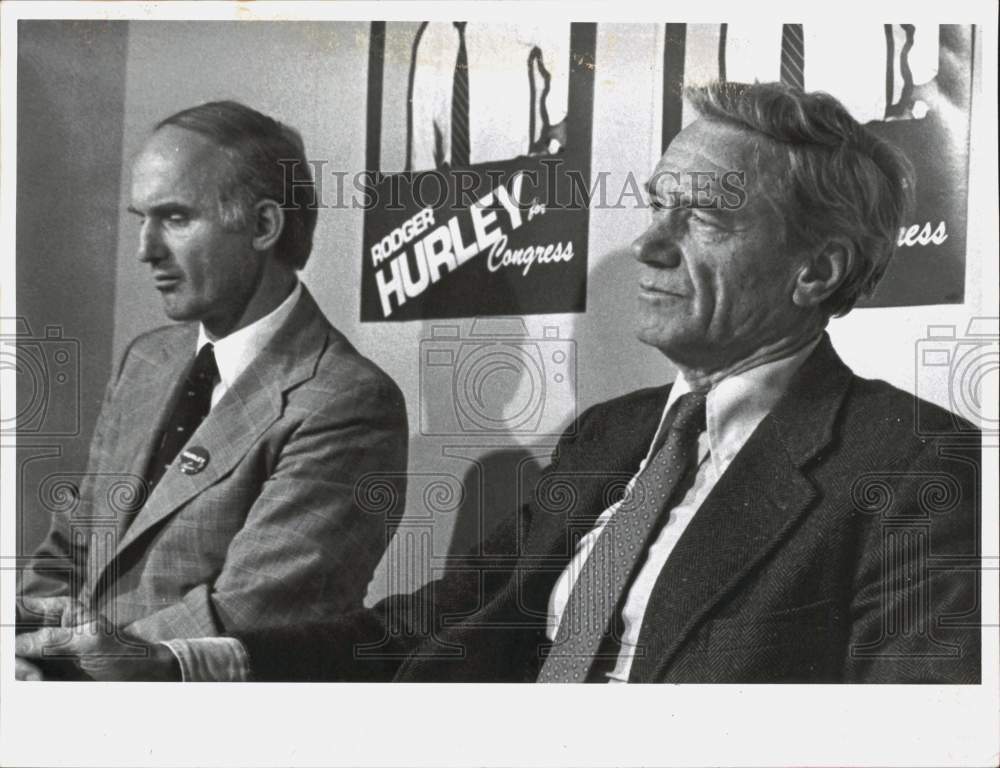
650,290
165,282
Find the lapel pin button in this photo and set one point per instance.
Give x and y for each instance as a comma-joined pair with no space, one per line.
193,460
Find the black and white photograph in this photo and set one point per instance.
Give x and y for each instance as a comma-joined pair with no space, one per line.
509,350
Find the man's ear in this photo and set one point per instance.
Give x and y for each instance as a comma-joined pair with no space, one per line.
269,223
822,274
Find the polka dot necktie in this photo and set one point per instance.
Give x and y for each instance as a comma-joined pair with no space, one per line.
190,410
593,602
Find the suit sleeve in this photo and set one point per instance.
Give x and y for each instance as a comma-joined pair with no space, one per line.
318,527
370,645
915,616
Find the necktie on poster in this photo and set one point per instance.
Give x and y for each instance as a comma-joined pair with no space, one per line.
910,84
489,212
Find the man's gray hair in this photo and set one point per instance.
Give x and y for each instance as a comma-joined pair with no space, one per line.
266,160
838,178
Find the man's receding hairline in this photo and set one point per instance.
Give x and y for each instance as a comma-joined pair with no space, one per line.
753,149
197,155
751,131
206,142
222,177
767,183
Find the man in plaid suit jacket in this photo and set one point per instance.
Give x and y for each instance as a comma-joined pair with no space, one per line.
275,511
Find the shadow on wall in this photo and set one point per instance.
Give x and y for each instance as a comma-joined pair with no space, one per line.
465,468
70,99
611,360
482,401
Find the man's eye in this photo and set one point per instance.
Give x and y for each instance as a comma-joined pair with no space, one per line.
660,204
703,218
178,218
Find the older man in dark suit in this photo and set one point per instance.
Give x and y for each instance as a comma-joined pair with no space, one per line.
229,459
769,517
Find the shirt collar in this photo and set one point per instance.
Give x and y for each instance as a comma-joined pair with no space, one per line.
235,352
737,404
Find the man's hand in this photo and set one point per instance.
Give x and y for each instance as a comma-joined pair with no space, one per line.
25,670
61,611
33,612
101,652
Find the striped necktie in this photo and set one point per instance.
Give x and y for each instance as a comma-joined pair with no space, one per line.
593,602
793,65
460,104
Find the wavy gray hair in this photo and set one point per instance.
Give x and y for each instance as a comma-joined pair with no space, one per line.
837,177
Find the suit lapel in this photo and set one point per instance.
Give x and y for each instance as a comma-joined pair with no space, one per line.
248,408
147,398
747,515
581,485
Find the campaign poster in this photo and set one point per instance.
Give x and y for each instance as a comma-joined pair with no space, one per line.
909,83
477,169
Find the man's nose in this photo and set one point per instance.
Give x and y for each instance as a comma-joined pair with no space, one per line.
658,245
151,247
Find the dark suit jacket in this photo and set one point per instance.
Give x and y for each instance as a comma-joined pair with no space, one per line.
278,528
841,545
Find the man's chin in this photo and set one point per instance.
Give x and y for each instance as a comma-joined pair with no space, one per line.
179,313
655,337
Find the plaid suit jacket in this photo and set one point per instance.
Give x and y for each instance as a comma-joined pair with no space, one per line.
841,545
287,521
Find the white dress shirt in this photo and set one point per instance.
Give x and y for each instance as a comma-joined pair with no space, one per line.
235,352
733,409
